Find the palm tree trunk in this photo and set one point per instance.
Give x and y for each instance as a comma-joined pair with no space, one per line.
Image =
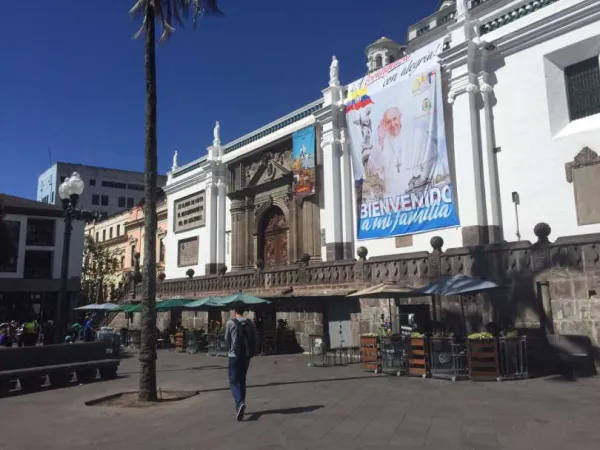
147,387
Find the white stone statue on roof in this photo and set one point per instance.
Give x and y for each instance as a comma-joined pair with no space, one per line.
334,73
462,9
217,134
175,163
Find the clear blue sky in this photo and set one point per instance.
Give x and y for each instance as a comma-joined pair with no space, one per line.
72,78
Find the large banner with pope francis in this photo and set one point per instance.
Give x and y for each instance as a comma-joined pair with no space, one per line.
396,124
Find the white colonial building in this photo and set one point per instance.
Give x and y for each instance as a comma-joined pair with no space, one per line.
521,88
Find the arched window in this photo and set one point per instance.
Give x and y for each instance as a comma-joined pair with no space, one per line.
378,62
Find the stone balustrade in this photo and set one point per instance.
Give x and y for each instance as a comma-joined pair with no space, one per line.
501,262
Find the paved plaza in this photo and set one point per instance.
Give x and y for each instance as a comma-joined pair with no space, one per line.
293,406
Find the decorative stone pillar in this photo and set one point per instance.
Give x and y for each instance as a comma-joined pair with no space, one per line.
237,234
348,187
470,184
490,166
221,217
250,243
211,219
333,200
328,117
311,232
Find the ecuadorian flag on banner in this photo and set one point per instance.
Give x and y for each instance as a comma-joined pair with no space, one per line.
357,99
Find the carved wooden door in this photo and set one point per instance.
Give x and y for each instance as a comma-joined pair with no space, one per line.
275,238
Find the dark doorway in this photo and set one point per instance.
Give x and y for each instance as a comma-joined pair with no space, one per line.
265,319
273,242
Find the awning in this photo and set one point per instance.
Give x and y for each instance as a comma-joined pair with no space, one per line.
387,290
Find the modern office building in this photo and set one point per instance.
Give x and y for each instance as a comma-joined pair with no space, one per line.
31,246
107,191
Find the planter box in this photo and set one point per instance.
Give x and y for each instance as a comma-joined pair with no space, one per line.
418,357
370,353
483,359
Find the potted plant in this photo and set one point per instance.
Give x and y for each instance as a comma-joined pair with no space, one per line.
370,352
418,355
482,349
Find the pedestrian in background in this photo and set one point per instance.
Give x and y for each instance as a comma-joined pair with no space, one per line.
240,337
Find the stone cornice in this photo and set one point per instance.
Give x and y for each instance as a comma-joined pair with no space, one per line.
281,123
567,19
510,15
185,183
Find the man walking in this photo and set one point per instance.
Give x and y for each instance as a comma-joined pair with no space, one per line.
240,336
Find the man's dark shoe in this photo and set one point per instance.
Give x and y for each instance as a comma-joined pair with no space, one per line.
240,414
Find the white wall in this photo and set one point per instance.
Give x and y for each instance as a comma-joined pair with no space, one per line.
172,238
76,251
533,156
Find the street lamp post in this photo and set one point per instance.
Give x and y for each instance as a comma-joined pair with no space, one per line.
69,191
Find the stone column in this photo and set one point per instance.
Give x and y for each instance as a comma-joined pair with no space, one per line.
250,250
470,187
221,217
311,235
464,96
237,234
333,200
294,237
493,199
211,219
332,186
348,188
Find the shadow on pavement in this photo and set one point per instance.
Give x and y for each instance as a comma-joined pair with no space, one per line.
181,369
298,410
284,383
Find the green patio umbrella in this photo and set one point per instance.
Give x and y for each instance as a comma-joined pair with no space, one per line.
163,305
172,303
133,308
206,301
240,297
130,307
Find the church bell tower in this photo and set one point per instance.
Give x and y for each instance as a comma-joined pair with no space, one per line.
382,52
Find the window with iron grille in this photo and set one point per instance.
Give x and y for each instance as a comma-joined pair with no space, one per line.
583,88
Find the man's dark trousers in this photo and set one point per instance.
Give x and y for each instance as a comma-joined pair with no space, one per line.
238,368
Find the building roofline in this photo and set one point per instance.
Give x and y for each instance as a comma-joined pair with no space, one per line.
10,204
137,172
269,128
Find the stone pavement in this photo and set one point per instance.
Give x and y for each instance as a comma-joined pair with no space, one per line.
292,406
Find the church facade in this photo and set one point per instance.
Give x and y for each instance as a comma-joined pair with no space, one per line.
520,143
517,93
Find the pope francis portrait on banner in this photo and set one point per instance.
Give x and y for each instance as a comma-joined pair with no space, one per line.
404,158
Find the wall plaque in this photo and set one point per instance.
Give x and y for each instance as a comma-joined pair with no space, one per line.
187,252
404,241
584,173
189,212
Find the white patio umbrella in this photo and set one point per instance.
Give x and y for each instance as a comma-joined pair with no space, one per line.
108,306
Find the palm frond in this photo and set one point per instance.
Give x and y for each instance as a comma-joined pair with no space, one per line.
138,8
171,13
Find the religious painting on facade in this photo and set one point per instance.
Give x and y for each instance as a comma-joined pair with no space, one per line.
399,156
303,161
